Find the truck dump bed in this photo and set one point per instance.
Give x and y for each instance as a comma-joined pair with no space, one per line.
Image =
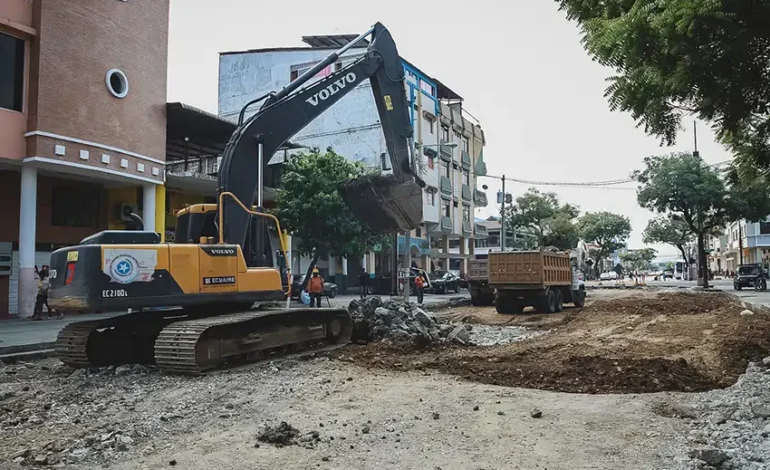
478,270
529,269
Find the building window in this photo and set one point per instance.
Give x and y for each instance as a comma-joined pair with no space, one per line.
11,72
427,88
466,178
418,232
429,123
74,206
446,209
293,75
454,243
445,133
445,169
466,145
117,83
466,214
764,228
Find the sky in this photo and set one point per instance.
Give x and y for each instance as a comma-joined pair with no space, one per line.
519,65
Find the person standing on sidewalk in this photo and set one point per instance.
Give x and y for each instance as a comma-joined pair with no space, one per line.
363,280
315,288
43,283
419,283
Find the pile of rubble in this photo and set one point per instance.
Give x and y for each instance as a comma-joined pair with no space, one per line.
732,426
397,319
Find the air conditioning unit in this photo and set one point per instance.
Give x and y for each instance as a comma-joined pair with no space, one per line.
126,210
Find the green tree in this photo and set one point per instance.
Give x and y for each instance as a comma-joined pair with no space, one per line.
639,259
545,218
609,231
682,186
670,230
678,57
310,207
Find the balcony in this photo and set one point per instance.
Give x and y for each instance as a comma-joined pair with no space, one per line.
466,193
446,224
429,151
480,198
446,152
467,229
446,186
481,231
466,160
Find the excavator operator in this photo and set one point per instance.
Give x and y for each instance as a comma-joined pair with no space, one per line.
315,288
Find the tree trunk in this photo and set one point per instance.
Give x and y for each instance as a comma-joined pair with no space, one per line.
703,270
309,272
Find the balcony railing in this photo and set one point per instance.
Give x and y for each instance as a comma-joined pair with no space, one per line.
446,185
466,161
446,224
481,231
466,193
208,166
480,198
467,227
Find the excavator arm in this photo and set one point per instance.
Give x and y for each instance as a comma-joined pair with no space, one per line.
388,203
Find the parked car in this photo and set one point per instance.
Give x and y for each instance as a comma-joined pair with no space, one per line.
443,282
608,276
331,288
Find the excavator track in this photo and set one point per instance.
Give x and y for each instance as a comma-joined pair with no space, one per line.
200,345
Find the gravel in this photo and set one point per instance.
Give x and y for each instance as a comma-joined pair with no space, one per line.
732,426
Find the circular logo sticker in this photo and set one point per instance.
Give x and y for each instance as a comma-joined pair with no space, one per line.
124,269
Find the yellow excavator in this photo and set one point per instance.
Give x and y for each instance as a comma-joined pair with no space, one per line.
194,305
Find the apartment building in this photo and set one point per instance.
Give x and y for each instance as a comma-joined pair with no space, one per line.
82,127
743,242
448,143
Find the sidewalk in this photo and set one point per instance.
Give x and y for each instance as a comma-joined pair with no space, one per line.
24,335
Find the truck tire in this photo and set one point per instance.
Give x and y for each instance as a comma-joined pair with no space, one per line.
507,306
579,298
559,300
478,300
547,303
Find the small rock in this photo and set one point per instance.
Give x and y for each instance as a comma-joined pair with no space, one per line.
229,406
366,430
476,408
501,413
459,335
22,453
766,361
713,457
747,312
172,462
325,458
41,459
25,388
536,413
436,415
35,420
123,370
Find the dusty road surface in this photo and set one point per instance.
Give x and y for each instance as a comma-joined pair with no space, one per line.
392,405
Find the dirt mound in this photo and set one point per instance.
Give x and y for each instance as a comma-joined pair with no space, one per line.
282,435
651,342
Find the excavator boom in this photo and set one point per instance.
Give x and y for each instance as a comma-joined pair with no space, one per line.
388,203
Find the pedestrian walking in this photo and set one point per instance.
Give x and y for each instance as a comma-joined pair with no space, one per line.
43,284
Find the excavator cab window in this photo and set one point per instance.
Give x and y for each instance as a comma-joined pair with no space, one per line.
191,226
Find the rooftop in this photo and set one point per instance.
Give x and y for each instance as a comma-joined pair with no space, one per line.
332,42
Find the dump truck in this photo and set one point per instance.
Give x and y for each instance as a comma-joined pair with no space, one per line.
545,280
478,283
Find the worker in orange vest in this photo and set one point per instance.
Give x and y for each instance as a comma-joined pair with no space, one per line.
419,283
315,288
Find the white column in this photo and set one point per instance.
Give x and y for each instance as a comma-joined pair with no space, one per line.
344,266
148,207
332,266
27,226
289,259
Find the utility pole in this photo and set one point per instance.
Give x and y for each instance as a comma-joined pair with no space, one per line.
503,231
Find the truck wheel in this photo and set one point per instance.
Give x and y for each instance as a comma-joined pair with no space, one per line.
478,300
547,303
506,305
579,297
559,300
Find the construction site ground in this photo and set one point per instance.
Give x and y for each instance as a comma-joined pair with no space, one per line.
387,405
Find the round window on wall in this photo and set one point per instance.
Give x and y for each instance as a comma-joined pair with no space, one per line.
117,83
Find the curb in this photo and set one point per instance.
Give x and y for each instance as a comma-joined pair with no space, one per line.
26,355
25,348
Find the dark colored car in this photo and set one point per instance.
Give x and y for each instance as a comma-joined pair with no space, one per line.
443,282
331,288
747,275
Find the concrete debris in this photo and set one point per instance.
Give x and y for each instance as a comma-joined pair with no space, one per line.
282,435
536,413
393,318
747,312
731,428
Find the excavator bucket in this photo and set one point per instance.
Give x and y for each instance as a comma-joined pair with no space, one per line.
383,203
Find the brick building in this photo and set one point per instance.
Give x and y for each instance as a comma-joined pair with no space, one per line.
82,127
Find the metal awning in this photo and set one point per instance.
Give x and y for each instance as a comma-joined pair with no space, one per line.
333,41
193,132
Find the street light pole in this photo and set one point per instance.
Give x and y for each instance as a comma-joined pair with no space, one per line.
503,231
